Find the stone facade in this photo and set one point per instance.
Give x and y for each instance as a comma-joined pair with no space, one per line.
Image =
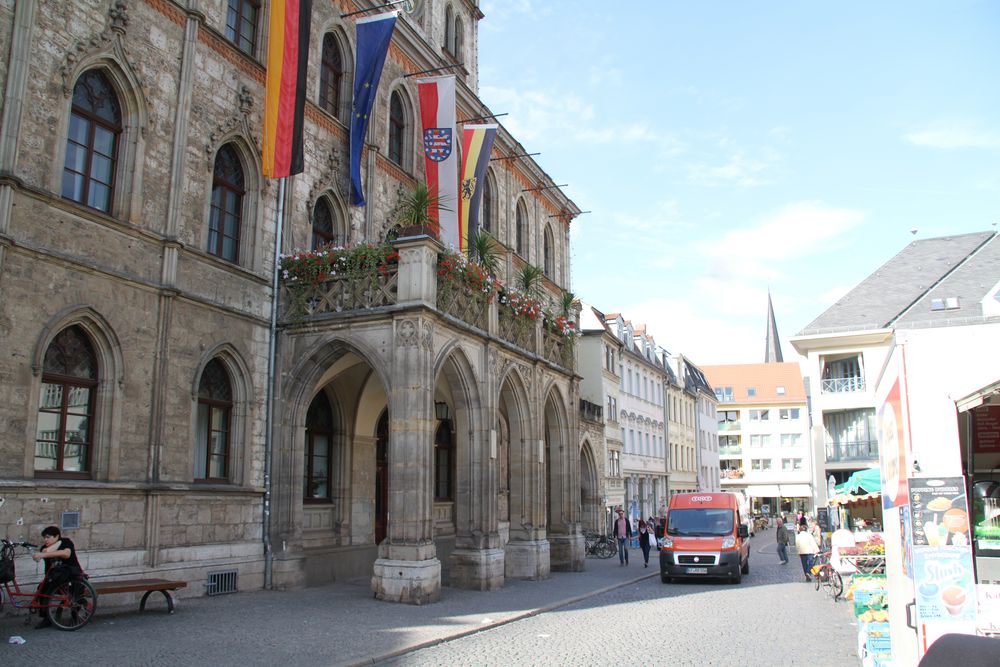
176,327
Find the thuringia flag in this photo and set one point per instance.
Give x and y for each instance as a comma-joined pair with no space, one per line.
437,116
477,144
285,91
373,36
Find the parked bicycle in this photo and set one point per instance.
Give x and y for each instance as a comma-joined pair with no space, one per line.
69,607
824,574
600,546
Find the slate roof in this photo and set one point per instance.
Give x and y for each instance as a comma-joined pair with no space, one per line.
899,293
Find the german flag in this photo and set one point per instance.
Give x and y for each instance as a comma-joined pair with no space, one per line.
285,96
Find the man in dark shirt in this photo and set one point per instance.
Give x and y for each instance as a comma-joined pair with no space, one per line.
782,542
61,565
622,530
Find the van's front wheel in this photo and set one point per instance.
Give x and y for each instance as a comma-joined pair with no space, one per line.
664,578
738,577
745,569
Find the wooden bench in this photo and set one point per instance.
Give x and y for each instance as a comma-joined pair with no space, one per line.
148,586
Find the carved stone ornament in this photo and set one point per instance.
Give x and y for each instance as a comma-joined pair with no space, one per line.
234,125
406,333
333,177
108,40
428,337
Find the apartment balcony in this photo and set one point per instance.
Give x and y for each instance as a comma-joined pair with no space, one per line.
730,450
732,473
865,450
843,385
591,412
418,272
729,426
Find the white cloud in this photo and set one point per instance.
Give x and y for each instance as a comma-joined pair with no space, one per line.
739,169
535,114
795,231
954,135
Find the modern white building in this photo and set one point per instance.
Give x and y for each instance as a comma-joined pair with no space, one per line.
763,426
915,342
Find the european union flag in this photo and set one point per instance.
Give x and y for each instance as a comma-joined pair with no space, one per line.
373,36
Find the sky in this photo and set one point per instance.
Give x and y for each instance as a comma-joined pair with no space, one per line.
725,149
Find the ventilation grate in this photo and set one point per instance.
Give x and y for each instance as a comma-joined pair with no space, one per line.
221,582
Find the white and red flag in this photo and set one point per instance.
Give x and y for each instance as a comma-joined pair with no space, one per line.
437,115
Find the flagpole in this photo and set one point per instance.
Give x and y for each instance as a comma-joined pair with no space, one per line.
269,414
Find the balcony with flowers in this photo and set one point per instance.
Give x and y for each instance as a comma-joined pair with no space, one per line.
333,282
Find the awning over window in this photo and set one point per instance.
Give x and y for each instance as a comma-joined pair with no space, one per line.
796,491
763,491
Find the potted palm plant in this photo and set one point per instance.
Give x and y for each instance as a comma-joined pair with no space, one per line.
413,211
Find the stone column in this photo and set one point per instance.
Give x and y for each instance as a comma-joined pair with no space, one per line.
407,569
527,552
477,561
567,543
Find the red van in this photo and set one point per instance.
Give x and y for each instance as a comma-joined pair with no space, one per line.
704,537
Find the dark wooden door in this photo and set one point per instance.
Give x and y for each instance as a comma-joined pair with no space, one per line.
382,478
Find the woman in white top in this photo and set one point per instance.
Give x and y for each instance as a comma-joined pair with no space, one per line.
806,545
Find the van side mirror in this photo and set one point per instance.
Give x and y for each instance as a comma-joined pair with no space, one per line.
744,531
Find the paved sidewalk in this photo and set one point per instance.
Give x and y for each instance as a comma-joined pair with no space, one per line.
339,624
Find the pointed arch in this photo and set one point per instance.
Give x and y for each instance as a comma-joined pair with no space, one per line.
108,396
400,129
243,398
232,146
111,63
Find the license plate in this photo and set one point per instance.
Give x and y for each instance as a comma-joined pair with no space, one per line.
696,570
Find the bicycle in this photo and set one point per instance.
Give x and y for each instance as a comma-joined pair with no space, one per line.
600,546
824,574
70,606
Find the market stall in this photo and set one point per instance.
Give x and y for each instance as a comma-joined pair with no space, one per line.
857,501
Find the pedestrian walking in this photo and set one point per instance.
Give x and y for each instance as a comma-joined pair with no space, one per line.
806,545
782,541
816,532
646,540
622,530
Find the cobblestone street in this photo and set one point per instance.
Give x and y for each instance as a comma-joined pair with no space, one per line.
571,618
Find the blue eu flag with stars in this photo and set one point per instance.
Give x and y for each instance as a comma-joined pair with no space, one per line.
373,36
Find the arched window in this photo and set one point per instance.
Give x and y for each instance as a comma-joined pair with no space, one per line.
449,30
241,23
318,451
95,124
215,408
548,253
225,218
397,128
486,217
444,462
459,40
63,438
323,231
521,230
331,75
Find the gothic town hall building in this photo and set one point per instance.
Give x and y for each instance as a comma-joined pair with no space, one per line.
416,439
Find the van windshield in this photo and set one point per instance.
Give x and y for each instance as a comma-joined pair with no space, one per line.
705,522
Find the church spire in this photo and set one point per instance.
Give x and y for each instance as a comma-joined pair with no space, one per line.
772,353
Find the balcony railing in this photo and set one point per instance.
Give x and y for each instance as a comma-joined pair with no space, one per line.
730,450
591,412
851,451
843,385
415,279
729,426
733,473
342,293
